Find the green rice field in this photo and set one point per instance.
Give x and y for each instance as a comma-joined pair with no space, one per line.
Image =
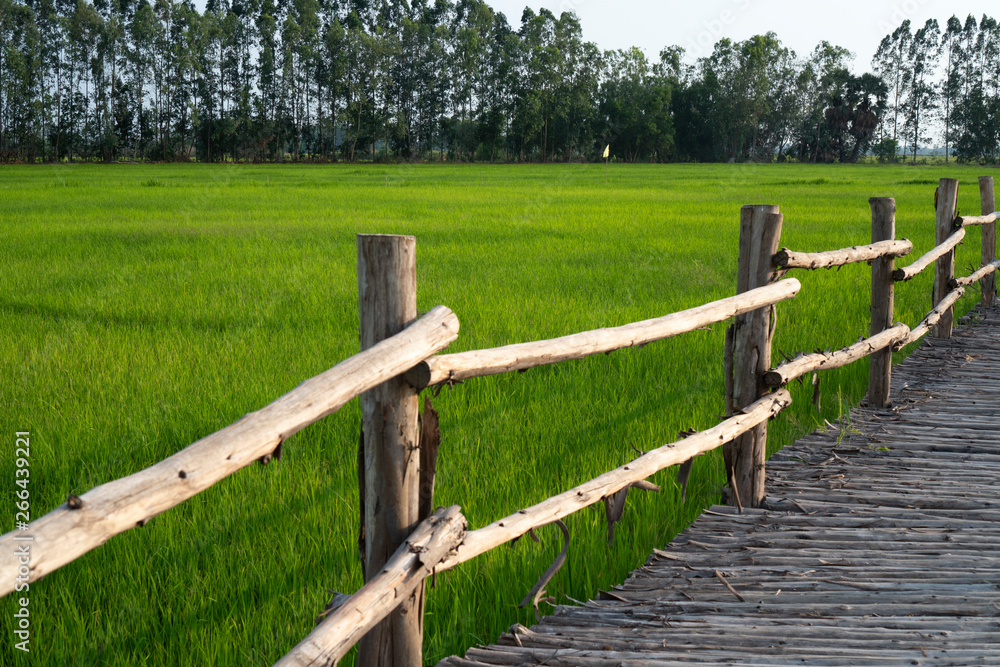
143,307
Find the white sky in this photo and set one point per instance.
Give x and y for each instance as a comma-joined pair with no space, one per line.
858,25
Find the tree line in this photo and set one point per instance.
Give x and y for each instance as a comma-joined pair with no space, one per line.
323,80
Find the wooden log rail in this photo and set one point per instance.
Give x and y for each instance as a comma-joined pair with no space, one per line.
939,251
433,549
70,531
932,319
385,615
808,363
970,220
500,532
788,259
418,558
522,356
975,277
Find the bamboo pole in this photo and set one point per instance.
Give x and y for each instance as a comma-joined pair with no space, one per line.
989,252
760,233
390,499
981,274
521,356
480,541
415,560
65,534
807,363
883,301
932,319
940,250
881,248
947,207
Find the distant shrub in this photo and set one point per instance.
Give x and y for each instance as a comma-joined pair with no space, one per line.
886,151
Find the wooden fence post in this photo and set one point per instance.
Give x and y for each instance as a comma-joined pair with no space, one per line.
947,207
883,301
389,478
989,253
760,234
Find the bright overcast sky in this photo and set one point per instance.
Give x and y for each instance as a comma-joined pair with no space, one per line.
696,25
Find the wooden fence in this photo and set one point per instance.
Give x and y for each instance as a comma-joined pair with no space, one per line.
403,541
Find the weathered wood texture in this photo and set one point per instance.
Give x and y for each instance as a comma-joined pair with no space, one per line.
817,361
971,220
480,541
521,356
760,234
413,562
829,259
947,207
987,196
971,279
928,323
878,546
63,535
883,300
940,250
390,501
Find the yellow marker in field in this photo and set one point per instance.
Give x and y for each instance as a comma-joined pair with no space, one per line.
607,151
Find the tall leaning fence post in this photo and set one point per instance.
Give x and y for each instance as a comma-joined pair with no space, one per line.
760,234
883,301
389,470
989,252
947,207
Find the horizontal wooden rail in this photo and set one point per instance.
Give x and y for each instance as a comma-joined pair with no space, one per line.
788,259
975,277
970,220
480,541
65,534
807,363
931,320
522,356
432,541
941,250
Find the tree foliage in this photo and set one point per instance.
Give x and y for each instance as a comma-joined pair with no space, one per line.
324,80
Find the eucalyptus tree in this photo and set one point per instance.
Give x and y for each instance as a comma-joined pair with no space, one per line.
635,107
20,82
890,63
300,56
921,99
950,87
578,70
331,83
976,113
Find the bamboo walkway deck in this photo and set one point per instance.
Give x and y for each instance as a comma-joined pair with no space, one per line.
880,546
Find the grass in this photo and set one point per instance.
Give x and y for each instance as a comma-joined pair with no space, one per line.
144,307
